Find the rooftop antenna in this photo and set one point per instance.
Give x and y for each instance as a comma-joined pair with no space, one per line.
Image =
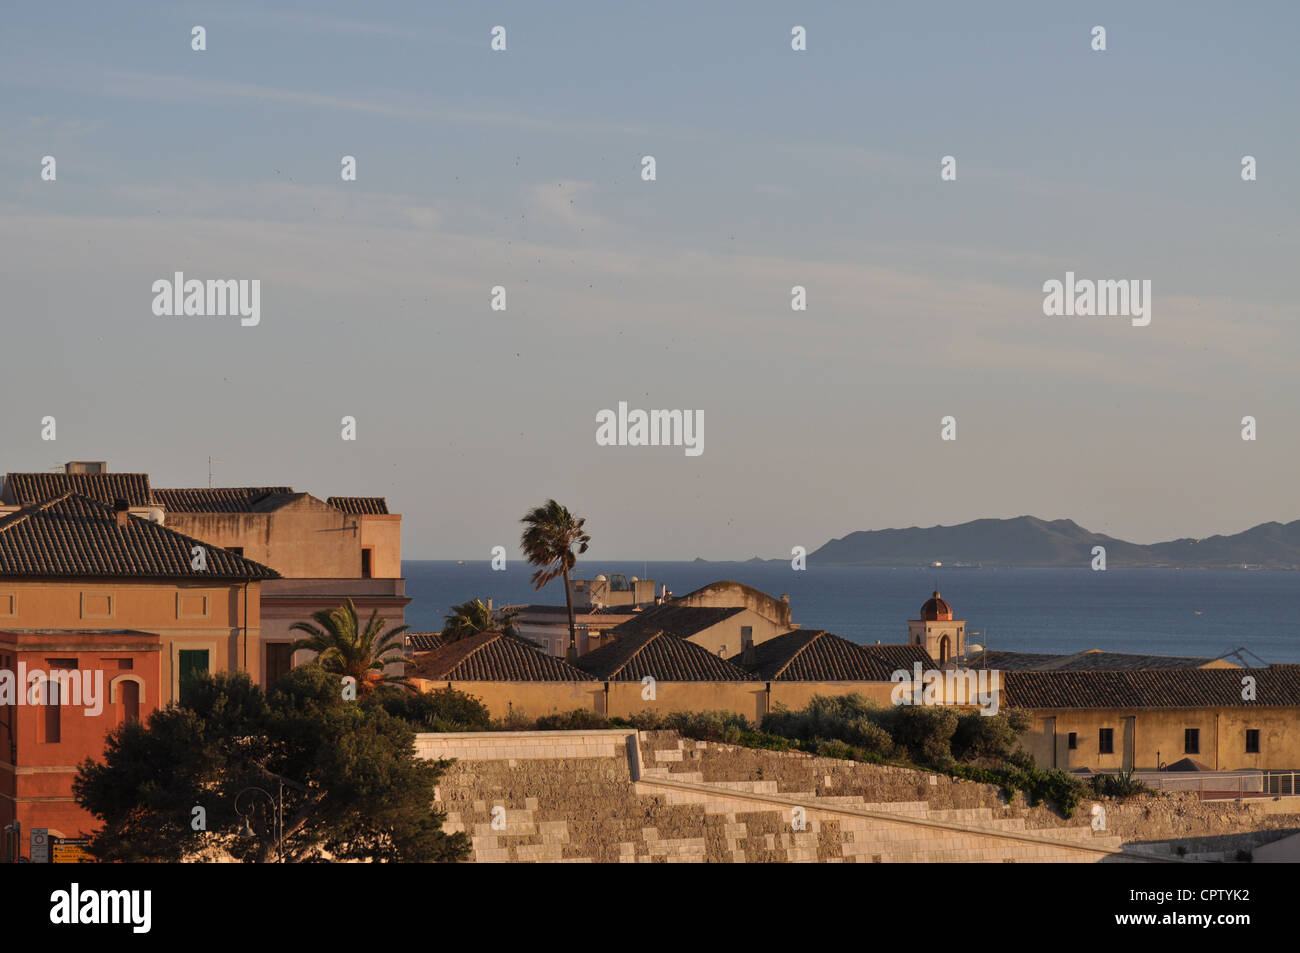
1237,654
210,462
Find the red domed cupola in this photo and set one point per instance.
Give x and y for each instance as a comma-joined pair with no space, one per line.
936,609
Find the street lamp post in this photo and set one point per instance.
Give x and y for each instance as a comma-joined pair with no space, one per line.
14,836
277,806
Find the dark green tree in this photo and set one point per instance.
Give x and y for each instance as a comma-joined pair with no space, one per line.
352,786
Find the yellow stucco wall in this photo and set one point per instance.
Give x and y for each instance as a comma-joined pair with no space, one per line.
743,698
795,695
186,615
728,593
750,699
307,538
727,632
533,699
382,535
1144,738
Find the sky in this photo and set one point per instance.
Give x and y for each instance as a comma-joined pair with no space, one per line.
774,168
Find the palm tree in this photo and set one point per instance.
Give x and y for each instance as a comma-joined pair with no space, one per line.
548,544
345,649
473,617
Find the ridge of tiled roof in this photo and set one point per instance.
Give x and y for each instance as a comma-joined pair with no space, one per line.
1012,661
1275,686
216,499
562,612
360,505
493,657
681,621
424,641
663,657
74,536
28,489
815,655
1091,660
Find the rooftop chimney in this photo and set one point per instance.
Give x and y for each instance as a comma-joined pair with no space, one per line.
85,466
121,509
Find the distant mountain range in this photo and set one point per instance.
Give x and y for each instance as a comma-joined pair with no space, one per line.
1030,542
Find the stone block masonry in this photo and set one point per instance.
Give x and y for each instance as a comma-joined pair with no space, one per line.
652,797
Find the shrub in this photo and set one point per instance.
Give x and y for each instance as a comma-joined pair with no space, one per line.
988,737
515,720
852,718
925,732
443,710
1052,786
725,726
580,719
836,749
1121,785
758,739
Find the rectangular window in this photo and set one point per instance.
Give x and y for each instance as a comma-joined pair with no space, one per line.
366,563
128,701
191,664
236,550
1073,741
1106,741
53,703
53,720
279,659
1252,741
746,636
1192,741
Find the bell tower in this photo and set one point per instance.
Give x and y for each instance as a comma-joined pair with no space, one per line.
942,636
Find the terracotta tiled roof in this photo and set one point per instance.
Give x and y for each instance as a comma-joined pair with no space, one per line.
1089,661
681,621
73,536
493,657
812,655
26,489
360,505
219,499
1275,686
664,657
1013,660
424,641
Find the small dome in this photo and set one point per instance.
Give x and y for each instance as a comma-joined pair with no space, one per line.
936,609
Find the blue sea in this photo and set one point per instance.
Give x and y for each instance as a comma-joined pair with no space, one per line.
1154,611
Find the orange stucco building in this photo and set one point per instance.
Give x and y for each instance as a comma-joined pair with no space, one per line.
116,611
100,581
